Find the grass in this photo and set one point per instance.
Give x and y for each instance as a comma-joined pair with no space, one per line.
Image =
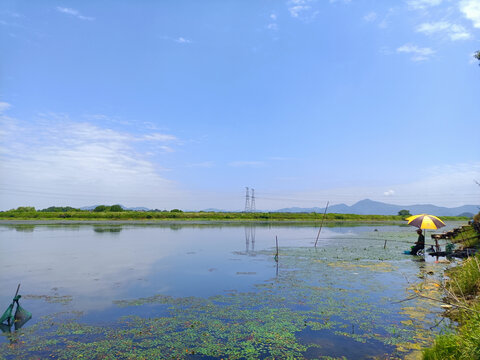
196,216
463,289
465,280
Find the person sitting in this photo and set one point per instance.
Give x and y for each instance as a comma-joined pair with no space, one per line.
420,244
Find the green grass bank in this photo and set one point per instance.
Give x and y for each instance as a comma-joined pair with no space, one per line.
463,303
31,214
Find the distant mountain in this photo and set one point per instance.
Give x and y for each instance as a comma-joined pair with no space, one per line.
370,207
363,207
467,214
88,207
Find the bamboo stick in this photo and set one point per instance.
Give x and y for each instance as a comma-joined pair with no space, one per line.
321,225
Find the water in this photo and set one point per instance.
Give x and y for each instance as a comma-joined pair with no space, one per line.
86,284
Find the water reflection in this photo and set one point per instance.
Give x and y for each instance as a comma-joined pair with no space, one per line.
24,228
249,237
92,269
110,229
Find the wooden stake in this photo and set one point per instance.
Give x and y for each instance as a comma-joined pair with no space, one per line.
324,214
385,245
276,242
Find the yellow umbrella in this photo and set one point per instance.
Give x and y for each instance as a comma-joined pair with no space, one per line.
424,221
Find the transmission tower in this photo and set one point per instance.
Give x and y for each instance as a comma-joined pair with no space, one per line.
252,203
247,201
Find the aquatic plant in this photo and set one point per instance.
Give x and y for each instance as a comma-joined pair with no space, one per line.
340,292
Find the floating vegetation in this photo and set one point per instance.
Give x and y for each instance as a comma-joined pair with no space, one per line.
321,298
64,300
374,266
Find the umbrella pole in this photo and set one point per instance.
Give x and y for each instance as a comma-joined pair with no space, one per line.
424,238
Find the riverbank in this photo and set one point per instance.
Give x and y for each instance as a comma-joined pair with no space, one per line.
327,223
162,216
462,304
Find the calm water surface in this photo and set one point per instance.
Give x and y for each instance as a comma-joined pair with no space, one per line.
340,299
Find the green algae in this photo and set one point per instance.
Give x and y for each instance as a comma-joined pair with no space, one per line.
338,289
59,299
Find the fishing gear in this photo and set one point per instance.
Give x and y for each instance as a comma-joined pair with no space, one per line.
19,318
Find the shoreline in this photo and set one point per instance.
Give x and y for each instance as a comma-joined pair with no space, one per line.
193,222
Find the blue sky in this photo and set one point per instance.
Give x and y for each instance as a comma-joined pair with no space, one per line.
182,104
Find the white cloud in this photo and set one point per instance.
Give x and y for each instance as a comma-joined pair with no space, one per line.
160,137
471,10
182,40
423,4
384,22
75,13
296,10
371,16
11,14
301,9
458,32
418,53
446,185
453,31
178,40
204,164
52,161
4,106
166,149
272,26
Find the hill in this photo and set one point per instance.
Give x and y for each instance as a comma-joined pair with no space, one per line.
370,207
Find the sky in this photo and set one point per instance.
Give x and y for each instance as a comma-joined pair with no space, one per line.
182,104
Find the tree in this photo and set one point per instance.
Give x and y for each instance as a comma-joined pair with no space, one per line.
116,208
404,213
59,209
26,208
477,56
100,208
